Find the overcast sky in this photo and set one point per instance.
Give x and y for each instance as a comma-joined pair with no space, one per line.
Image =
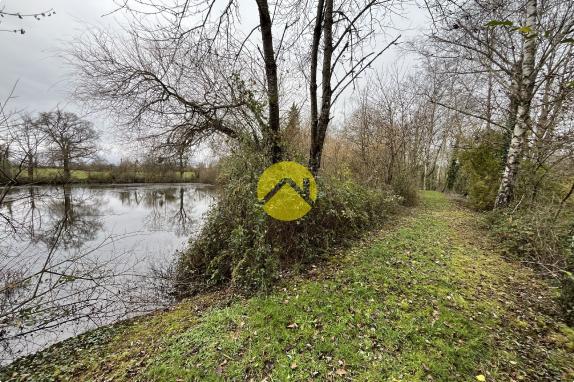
43,79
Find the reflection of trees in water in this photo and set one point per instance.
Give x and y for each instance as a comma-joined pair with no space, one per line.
32,215
75,219
56,280
21,217
42,284
184,219
130,197
170,209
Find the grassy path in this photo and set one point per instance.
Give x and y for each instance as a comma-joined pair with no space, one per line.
426,300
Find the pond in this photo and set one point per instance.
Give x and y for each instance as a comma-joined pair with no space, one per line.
76,257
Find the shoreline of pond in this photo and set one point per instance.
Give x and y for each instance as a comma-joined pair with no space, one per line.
129,233
102,182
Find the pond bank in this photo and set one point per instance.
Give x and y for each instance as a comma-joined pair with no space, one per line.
427,299
101,253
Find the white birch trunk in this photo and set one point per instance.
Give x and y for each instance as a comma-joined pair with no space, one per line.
505,191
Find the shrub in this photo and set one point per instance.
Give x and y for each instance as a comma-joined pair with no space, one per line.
206,174
481,167
532,236
405,186
535,237
243,247
567,295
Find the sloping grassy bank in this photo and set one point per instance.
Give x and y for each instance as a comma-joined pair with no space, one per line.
428,299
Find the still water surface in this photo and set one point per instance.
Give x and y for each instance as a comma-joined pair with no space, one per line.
77,257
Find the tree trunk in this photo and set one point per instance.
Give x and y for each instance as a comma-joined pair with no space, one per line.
425,176
5,163
507,183
540,126
490,39
66,161
318,30
30,167
181,169
68,207
319,130
390,167
272,135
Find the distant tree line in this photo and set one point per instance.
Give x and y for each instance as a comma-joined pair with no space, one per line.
61,138
49,146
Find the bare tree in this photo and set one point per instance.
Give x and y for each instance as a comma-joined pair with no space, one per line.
511,47
28,137
6,125
71,137
345,29
199,73
9,171
525,95
161,89
397,129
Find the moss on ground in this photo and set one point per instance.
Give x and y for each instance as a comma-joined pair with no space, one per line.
429,299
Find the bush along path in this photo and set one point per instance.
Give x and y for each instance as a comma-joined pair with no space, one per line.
426,300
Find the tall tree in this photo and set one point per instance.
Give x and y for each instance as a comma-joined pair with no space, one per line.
71,137
201,73
523,124
28,137
266,25
512,49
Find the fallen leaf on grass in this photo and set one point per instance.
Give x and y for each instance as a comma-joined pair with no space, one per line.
481,378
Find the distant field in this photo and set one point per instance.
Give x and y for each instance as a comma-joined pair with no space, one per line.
57,172
54,174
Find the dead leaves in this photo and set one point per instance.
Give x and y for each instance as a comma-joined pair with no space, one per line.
221,367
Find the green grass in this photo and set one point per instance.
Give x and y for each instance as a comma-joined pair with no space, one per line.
429,299
55,175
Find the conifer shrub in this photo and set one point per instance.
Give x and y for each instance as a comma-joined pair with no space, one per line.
481,164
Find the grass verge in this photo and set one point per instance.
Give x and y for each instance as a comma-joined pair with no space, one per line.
429,299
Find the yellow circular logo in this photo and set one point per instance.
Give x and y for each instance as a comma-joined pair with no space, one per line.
287,191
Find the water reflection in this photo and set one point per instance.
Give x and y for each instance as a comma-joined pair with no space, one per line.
71,222
75,257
